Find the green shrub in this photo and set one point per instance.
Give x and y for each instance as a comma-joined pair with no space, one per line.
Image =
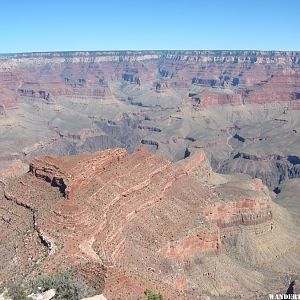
65,285
152,296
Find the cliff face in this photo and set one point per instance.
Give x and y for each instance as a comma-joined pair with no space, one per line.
127,222
251,76
272,169
224,102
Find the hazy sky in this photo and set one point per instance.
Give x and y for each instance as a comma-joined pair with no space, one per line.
56,25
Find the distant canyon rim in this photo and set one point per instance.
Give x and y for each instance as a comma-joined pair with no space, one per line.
241,107
223,125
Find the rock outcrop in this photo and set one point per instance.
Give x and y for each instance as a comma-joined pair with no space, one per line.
251,76
47,295
272,169
156,98
128,222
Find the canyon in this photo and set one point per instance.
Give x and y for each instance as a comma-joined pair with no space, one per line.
91,213
203,146
239,106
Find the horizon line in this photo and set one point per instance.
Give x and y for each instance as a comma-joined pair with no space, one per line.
145,50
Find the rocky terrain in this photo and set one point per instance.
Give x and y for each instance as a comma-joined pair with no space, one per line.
66,205
241,107
209,234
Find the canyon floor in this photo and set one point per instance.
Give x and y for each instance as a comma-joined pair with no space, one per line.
202,146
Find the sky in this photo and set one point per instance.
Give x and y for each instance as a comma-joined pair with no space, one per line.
65,25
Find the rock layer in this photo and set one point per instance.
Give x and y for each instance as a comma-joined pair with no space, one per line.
251,76
166,100
109,199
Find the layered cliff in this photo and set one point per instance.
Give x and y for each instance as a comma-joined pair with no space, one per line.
172,102
272,169
127,222
252,76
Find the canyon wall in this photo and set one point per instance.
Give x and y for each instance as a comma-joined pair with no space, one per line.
126,222
250,76
172,102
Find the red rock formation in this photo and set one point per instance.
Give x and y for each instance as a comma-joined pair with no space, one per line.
250,76
210,98
69,176
242,212
109,200
202,241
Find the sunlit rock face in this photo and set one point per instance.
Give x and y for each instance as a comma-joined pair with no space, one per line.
127,222
224,102
150,211
233,77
